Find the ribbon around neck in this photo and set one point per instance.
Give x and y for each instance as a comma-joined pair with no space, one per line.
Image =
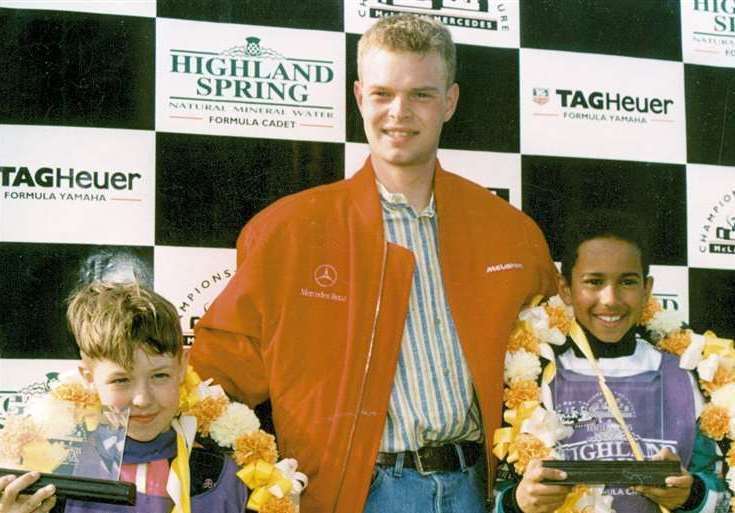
580,340
178,484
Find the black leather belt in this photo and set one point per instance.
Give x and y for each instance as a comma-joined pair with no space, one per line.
442,458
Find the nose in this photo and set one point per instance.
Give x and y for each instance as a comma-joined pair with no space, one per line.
142,396
609,295
399,108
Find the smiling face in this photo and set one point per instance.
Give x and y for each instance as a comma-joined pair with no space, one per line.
404,101
150,388
608,290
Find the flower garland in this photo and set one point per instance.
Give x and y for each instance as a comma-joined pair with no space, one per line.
274,485
534,428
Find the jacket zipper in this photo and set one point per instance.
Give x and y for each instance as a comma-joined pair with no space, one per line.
365,372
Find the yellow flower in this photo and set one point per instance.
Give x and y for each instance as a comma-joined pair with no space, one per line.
76,393
254,446
651,309
282,505
676,343
714,421
730,458
559,319
520,392
528,448
207,411
522,338
723,376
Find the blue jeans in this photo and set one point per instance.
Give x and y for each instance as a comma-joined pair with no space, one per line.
404,490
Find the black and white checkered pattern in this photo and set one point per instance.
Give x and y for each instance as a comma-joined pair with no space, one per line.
129,145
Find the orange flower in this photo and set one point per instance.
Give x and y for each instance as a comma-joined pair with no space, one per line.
722,377
257,445
652,308
207,410
714,421
76,393
522,338
275,505
529,447
676,343
558,318
519,392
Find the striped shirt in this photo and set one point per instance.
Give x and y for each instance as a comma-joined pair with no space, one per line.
432,401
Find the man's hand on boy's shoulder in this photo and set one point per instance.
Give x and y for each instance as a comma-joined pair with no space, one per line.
12,499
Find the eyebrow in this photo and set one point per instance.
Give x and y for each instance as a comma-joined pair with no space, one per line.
596,273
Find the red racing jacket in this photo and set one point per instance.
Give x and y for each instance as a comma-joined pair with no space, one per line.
313,318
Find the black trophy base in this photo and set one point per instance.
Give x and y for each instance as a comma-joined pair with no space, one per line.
615,473
82,488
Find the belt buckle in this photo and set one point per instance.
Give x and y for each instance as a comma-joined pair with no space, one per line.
419,464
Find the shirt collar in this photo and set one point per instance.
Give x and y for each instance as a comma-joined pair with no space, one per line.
397,200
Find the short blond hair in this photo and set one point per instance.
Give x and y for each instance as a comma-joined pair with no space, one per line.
411,33
111,320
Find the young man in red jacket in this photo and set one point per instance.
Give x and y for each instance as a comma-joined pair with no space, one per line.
374,312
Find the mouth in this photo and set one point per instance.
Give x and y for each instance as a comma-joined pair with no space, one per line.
399,133
143,419
610,320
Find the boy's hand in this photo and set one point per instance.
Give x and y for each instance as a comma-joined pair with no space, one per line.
677,488
534,497
11,500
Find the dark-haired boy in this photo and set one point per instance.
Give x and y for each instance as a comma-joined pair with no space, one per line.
605,278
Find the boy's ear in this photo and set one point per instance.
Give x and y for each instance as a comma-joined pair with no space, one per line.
649,285
565,290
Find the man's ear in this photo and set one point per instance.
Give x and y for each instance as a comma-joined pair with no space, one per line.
565,289
357,90
452,99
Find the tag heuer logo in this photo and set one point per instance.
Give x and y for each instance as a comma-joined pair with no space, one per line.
540,95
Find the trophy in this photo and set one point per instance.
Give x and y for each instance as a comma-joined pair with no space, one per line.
614,473
72,440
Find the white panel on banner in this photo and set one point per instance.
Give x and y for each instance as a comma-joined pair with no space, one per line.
708,32
77,185
500,172
124,7
671,288
711,216
602,106
21,377
474,22
191,278
251,81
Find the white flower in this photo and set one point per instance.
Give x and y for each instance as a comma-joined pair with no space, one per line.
538,321
521,366
299,481
725,397
663,323
558,302
708,367
693,354
731,433
237,420
546,426
594,500
55,417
